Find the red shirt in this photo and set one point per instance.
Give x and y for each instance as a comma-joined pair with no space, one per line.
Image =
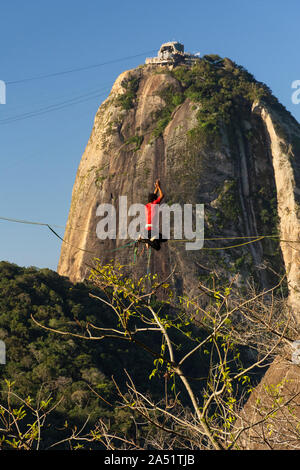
151,210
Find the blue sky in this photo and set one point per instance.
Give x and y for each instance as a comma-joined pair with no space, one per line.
40,155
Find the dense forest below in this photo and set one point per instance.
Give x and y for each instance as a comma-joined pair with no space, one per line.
64,387
43,364
73,374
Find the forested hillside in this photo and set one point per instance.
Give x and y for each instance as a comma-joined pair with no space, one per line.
43,364
127,371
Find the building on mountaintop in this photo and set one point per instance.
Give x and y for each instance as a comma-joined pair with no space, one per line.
172,53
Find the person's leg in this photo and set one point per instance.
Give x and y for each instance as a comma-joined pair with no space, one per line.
156,238
151,239
156,244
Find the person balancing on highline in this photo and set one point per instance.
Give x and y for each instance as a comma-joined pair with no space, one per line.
151,234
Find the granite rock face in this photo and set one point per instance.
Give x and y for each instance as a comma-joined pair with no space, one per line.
159,122
248,178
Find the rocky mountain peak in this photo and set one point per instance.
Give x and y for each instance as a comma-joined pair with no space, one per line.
213,135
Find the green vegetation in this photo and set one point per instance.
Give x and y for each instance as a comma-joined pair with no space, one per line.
127,99
223,92
43,364
224,89
228,209
105,364
265,200
172,99
99,177
45,369
137,140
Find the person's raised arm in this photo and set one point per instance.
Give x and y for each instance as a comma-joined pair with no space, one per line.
158,189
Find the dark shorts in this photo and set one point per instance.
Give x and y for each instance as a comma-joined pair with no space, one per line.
147,235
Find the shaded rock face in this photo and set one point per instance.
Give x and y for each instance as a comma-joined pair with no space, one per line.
247,177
